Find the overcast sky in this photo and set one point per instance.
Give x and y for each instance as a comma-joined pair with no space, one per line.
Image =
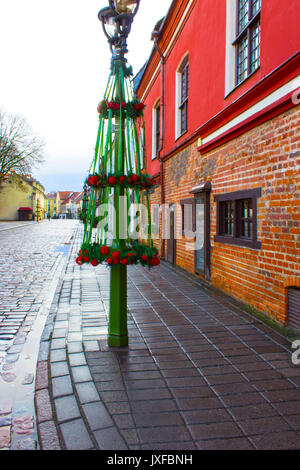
55,62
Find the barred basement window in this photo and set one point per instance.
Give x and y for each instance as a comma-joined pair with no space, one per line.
247,40
237,218
245,219
226,218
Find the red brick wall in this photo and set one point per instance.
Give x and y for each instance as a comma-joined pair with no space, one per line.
266,157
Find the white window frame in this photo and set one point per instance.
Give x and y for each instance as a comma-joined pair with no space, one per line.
178,82
231,48
154,128
142,147
230,53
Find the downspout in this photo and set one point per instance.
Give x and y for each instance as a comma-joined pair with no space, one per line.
154,37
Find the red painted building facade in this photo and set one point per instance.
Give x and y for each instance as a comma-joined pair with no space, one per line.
222,94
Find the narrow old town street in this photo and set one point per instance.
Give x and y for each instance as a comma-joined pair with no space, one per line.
32,261
199,373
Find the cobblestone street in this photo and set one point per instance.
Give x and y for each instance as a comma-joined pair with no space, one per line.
199,372
32,259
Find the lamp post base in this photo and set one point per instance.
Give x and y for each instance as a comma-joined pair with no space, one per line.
117,341
117,329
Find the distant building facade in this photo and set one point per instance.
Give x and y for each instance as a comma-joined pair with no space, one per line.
62,197
69,204
52,205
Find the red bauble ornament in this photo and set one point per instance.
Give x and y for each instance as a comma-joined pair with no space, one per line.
135,178
122,178
94,262
109,260
112,180
104,250
139,106
124,261
94,180
144,258
79,260
86,259
155,261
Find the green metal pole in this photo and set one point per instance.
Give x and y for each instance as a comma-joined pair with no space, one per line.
117,329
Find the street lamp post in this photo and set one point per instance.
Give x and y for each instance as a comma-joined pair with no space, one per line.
118,172
116,21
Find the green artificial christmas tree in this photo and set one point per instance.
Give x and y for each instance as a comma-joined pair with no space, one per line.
117,217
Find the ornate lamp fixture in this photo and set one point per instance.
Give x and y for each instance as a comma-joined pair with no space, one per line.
116,22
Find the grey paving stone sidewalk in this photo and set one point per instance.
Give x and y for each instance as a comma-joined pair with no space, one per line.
199,373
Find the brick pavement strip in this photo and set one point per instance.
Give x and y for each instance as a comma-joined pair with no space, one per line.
199,372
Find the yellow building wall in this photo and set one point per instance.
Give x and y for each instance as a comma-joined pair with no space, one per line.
39,202
51,207
12,198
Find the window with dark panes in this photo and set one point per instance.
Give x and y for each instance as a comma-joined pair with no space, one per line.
184,98
237,218
245,218
247,40
227,217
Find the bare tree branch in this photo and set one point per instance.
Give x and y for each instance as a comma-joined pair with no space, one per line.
20,149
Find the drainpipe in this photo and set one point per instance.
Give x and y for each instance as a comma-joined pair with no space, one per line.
154,37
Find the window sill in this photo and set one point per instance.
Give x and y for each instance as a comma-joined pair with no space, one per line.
179,136
241,83
238,242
